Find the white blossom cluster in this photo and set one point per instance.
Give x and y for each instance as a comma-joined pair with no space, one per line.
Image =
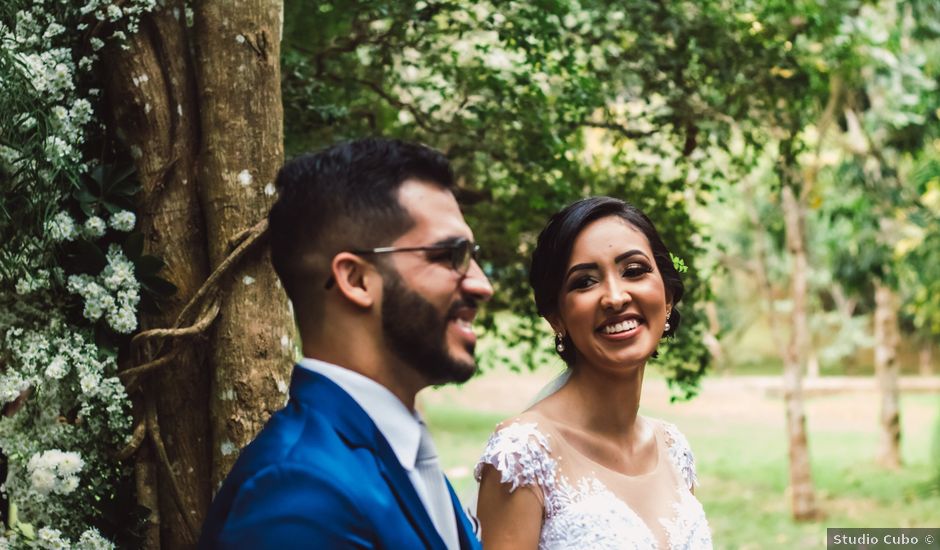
54,471
53,48
37,280
58,370
68,394
113,294
48,538
62,227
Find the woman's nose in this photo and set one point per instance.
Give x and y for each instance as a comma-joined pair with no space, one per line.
615,296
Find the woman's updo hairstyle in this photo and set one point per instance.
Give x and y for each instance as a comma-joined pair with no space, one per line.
553,250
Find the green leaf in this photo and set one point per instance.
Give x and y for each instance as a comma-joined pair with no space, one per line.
148,265
134,245
157,285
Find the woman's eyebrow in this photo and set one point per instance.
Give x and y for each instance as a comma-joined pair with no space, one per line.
580,267
629,253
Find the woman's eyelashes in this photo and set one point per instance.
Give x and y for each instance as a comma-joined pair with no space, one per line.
636,270
582,282
632,270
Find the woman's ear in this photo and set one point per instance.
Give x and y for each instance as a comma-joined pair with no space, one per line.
353,279
557,325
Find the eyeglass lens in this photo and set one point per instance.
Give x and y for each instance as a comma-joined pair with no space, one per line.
462,254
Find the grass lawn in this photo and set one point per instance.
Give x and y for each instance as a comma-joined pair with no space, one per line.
738,435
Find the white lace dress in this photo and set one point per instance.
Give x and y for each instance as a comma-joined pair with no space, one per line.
587,506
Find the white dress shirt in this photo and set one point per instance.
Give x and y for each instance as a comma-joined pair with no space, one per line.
400,427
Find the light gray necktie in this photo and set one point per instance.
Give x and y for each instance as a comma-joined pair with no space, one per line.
440,507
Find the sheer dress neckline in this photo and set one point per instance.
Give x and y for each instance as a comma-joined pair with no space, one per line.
657,441
587,505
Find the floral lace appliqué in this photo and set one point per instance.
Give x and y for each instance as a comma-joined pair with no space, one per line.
680,454
520,453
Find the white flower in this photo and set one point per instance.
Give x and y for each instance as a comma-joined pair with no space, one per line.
42,480
57,368
96,43
51,539
54,471
69,463
11,386
92,540
57,149
123,320
117,274
89,383
81,111
114,12
123,220
62,227
95,227
23,286
54,29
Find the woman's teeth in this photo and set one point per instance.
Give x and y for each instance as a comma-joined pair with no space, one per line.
622,326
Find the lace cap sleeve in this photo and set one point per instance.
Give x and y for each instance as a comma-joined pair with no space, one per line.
521,455
680,454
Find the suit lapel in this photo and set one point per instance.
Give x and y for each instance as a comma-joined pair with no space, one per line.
358,430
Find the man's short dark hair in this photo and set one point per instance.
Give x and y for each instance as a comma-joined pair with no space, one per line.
341,198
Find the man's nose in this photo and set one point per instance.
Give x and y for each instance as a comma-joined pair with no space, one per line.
476,283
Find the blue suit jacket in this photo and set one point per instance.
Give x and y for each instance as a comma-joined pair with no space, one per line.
321,475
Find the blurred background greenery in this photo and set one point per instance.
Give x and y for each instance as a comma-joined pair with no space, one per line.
789,153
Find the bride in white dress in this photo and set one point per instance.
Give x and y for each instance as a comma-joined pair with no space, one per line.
581,469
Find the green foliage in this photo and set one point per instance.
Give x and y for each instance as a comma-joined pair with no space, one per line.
537,105
71,276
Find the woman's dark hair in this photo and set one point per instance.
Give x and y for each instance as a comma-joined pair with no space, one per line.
553,250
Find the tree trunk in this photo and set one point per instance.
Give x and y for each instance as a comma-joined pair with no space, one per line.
812,364
711,337
239,86
151,91
887,371
925,358
192,124
801,481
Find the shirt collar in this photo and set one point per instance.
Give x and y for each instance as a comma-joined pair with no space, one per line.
400,427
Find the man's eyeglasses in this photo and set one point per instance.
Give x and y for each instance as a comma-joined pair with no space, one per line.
460,254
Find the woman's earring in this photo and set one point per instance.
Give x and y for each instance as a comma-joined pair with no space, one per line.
559,342
667,326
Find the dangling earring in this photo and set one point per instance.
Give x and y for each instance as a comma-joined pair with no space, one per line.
667,326
559,342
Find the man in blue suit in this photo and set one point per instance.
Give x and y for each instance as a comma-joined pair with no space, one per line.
380,267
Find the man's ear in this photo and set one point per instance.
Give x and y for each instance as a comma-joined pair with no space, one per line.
354,279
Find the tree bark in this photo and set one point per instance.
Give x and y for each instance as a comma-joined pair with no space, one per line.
151,90
239,83
925,357
711,337
887,371
191,131
802,495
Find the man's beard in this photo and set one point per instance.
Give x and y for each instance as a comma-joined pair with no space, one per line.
417,333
